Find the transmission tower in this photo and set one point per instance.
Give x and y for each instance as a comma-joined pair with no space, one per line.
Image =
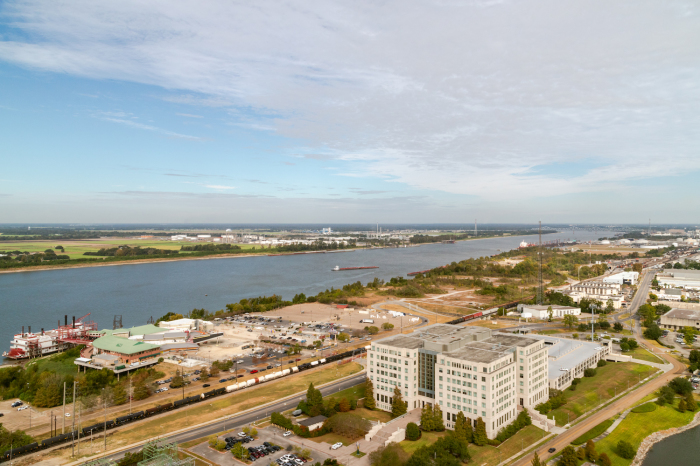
151,321
117,322
540,287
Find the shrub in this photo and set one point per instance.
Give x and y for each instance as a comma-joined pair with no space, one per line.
590,372
645,408
161,359
681,386
412,431
625,450
523,420
602,363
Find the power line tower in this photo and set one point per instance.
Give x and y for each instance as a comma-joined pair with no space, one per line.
151,321
540,285
117,322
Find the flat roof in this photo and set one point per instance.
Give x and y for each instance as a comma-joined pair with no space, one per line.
566,354
491,349
139,330
312,420
440,334
688,314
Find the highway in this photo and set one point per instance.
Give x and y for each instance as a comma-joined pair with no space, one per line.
244,419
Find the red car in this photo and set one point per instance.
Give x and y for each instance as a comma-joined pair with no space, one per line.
254,371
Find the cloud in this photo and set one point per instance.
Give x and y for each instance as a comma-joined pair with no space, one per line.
189,115
218,186
368,192
289,163
119,117
477,98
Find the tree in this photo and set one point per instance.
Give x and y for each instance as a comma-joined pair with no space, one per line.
694,356
390,455
681,386
582,327
426,418
119,396
480,438
239,451
625,450
398,406
624,347
369,402
617,326
178,381
666,395
682,406
387,326
342,336
605,460
609,307
344,405
314,400
568,457
348,425
550,313
141,390
536,460
591,454
372,330
438,421
653,332
690,403
412,431
463,428
214,371
204,374
689,335
570,321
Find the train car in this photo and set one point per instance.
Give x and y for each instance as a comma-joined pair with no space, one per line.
295,370
286,372
219,391
232,388
179,403
322,361
167,406
314,363
137,415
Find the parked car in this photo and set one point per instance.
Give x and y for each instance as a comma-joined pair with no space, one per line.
552,450
206,385
287,434
335,446
254,371
16,403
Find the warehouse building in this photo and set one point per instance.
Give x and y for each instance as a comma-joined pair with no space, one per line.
676,319
687,279
623,278
542,312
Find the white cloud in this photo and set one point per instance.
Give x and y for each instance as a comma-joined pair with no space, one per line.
480,98
189,115
219,187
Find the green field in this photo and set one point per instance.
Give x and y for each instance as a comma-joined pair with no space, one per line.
637,426
592,390
645,355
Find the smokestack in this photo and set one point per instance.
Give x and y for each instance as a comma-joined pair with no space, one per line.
30,330
42,331
22,330
65,320
73,321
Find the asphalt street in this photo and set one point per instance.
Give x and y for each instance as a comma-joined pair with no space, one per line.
241,420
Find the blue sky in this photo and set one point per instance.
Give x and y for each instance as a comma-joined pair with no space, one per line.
349,111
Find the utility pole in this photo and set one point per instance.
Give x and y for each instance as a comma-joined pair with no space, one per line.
63,429
73,436
131,393
540,290
104,398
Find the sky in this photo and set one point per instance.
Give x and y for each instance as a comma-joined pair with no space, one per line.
350,111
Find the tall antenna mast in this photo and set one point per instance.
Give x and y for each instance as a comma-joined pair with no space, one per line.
540,288
649,232
475,231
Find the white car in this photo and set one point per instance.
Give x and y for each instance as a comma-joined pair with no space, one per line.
240,362
22,408
336,446
242,434
287,434
165,389
298,461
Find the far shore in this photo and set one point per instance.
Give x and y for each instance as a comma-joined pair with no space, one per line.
42,268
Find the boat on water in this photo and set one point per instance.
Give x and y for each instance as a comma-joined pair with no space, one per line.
338,268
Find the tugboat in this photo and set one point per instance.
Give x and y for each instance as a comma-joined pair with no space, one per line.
337,268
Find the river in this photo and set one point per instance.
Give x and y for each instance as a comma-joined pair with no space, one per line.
678,450
139,291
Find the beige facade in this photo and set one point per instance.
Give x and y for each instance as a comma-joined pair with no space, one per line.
676,319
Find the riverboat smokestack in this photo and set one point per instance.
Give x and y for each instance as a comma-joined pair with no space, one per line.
73,321
65,319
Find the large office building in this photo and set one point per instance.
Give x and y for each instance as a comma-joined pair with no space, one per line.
678,319
468,369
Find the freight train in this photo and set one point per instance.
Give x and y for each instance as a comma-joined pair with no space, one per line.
122,420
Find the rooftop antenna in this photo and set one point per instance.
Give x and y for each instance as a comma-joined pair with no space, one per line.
540,288
117,322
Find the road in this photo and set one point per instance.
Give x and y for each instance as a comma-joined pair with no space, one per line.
249,417
621,404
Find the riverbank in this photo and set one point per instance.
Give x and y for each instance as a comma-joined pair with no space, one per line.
649,442
262,253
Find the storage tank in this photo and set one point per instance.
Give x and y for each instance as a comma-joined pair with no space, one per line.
314,363
322,361
295,369
286,372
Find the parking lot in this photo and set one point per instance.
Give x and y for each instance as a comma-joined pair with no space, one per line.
270,435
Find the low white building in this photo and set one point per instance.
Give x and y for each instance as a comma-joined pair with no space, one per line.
671,294
623,278
542,311
187,325
687,279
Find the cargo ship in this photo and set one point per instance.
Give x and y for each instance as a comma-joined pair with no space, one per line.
337,268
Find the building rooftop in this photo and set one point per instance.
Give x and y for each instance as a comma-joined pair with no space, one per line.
312,420
672,292
542,307
438,337
566,354
147,329
491,349
122,345
688,314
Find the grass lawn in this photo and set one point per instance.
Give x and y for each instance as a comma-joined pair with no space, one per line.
375,415
331,438
592,390
490,456
352,393
637,426
644,355
428,438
